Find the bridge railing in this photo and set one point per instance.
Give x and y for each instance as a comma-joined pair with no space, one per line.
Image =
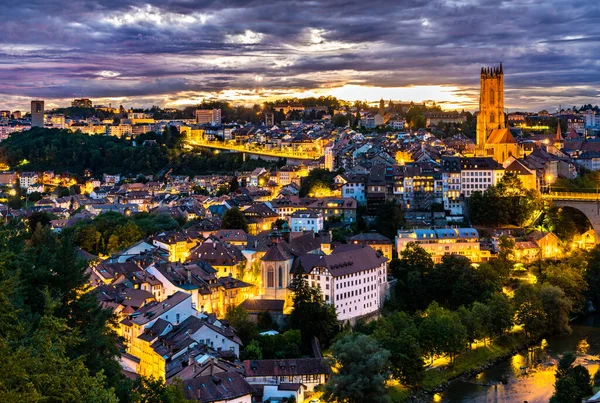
304,154
571,196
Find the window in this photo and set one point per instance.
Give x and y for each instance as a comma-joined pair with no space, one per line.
270,277
280,277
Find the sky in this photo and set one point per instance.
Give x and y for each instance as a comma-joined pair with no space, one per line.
177,53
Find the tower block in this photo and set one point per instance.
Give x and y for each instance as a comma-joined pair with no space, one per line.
491,103
493,137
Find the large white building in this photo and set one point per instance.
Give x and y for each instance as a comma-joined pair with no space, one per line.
352,186
306,220
592,120
353,278
463,176
440,242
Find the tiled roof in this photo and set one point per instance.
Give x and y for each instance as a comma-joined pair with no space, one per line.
218,387
286,367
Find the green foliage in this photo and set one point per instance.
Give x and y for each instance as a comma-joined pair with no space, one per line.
110,232
542,309
362,369
573,383
61,150
150,390
57,342
321,178
311,315
400,335
592,276
507,203
246,329
442,332
452,283
389,219
234,219
284,345
252,351
586,182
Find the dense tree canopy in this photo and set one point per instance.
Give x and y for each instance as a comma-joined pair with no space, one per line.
507,203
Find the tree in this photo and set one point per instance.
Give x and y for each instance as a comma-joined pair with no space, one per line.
151,390
557,309
484,320
234,219
389,219
592,276
339,120
573,383
400,335
362,369
502,313
311,315
252,351
246,329
529,310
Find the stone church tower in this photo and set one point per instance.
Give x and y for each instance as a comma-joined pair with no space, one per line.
491,103
493,137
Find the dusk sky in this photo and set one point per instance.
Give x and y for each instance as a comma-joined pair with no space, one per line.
176,53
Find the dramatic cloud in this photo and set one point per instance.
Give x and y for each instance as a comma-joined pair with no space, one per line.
178,52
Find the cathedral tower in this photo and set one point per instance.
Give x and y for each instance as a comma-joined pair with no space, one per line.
491,104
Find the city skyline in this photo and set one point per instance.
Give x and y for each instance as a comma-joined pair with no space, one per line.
177,54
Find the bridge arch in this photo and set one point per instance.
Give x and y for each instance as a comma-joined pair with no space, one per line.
589,206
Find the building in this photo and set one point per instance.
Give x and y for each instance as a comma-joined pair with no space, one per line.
177,244
81,103
352,186
119,130
376,241
223,387
589,160
37,113
353,278
27,179
463,176
58,121
440,242
493,137
306,220
309,372
210,116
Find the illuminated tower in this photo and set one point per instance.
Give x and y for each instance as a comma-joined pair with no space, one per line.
491,104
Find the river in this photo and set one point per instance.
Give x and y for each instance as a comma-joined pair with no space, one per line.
536,383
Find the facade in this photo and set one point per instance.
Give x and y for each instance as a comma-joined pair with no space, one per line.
375,241
352,186
352,278
210,116
27,179
440,242
306,220
493,137
37,113
463,176
310,372
119,130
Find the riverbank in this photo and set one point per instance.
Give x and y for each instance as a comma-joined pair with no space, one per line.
467,365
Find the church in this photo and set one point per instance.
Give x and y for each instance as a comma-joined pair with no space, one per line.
493,137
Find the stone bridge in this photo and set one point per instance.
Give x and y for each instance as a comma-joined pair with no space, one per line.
587,203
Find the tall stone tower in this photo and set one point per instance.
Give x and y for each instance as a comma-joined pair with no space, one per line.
491,104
